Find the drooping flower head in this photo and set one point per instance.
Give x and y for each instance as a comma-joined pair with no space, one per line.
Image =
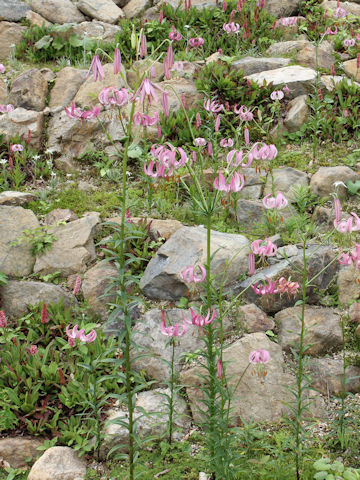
2,68
189,274
75,333
231,27
237,183
174,35
114,97
96,68
196,42
259,356
172,331
6,108
17,148
245,114
78,114
277,95
117,61
287,286
200,320
279,201
265,289
264,248
213,106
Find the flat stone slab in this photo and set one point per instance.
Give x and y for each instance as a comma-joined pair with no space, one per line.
16,199
250,65
13,10
300,80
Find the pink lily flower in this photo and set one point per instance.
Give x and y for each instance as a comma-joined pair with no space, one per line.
340,13
200,320
286,286
143,46
231,27
213,106
346,259
96,68
286,90
268,289
113,96
145,120
259,356
160,170
349,42
78,114
266,152
346,226
33,350
16,148
329,31
188,274
279,202
245,114
147,90
2,68
264,248
196,42
247,136
226,142
200,142
174,35
117,61
177,67
7,108
172,331
236,184
277,95
75,333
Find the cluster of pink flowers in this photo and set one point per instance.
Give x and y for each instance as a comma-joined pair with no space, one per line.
196,42
78,114
277,95
17,147
75,333
345,226
6,108
77,285
349,42
189,275
235,158
236,184
279,201
352,258
144,120
277,286
3,322
212,106
229,142
264,248
287,21
147,90
231,27
44,314
166,160
111,96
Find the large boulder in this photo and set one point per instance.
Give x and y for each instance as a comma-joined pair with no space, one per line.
73,248
300,80
286,180
58,463
17,296
324,181
134,7
96,284
16,199
17,450
16,261
186,247
67,83
20,122
57,11
351,68
304,53
29,90
250,65
260,395
103,10
153,423
323,332
10,35
152,343
297,114
13,10
348,284
283,8
327,376
318,258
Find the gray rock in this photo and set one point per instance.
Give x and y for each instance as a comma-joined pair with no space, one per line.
297,114
16,450
16,199
29,90
322,182
36,19
67,83
327,376
3,91
95,29
350,67
323,332
348,286
134,7
73,249
252,319
282,8
150,340
103,10
154,424
57,11
17,296
300,80
96,283
250,65
60,215
10,35
257,397
66,164
58,463
187,246
275,302
304,53
19,122
15,261
354,312
254,183
330,81
286,180
291,47
13,10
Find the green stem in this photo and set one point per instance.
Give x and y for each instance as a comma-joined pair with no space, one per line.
172,382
